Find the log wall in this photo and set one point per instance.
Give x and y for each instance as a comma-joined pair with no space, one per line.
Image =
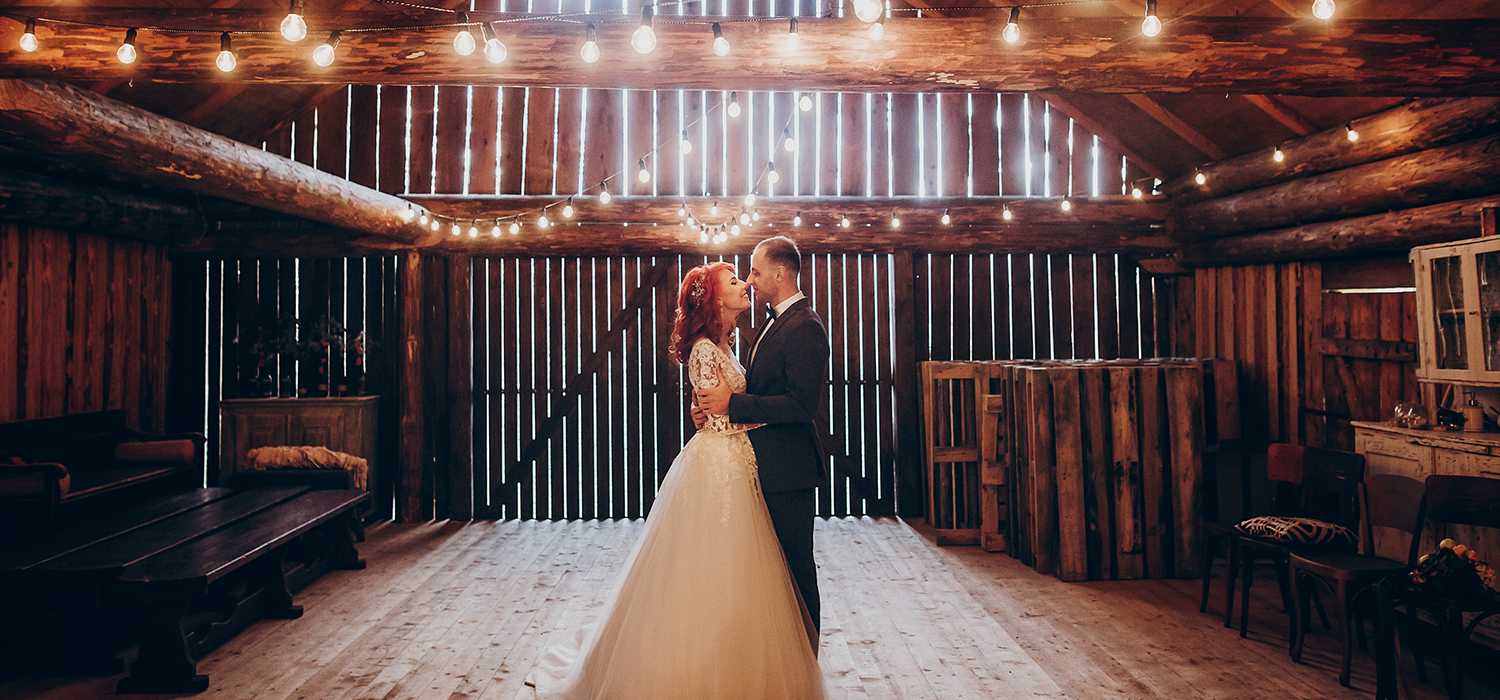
83,326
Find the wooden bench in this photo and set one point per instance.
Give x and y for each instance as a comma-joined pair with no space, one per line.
150,572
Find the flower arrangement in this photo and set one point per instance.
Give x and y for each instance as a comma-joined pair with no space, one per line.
1453,571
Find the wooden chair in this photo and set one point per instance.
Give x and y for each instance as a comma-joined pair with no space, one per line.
1386,501
1218,526
1450,500
1312,483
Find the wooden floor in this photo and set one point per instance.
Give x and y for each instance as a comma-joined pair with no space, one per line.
448,611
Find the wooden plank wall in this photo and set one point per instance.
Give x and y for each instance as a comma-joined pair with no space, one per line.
83,326
1277,321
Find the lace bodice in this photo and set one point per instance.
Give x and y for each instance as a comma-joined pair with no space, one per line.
707,366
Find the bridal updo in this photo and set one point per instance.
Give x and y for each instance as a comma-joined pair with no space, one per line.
697,310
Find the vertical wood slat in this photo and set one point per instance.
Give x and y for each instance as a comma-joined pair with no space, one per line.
954,108
854,135
333,130
409,502
905,163
1041,306
1099,486
984,148
450,139
1041,453
1059,154
1023,342
1184,390
1125,443
838,320
12,374
1012,145
1154,466
541,145
513,140
484,126
460,462
420,159
880,158
391,173
909,479
1067,414
364,128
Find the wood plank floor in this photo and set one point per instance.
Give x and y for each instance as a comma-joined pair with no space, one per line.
450,611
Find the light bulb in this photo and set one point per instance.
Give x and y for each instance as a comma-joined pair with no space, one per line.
434,224
294,28
590,50
682,211
687,146
806,102
750,199
946,218
456,229
735,229
1005,213
877,30
844,221
323,55
424,218
494,51
28,39
1067,205
515,227
721,45
568,209
1136,192
1151,26
463,41
868,10
1323,9
1012,33
755,215
772,177
895,221
643,175
127,53
408,214
542,222
225,61
703,235
603,194
1350,133
1277,155
744,217
792,32
734,104
644,40
797,220
714,210
495,232
473,231
787,142
1200,178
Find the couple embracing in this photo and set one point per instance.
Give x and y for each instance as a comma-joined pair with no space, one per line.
719,598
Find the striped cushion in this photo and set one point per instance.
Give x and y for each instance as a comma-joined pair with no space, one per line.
1304,531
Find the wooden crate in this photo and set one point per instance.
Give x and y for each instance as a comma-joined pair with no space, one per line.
951,410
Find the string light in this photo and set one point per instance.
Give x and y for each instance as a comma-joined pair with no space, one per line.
787,142
603,193
323,55
495,232
877,28
792,33
946,219
805,103
473,229
590,50
568,209
644,39
895,220
1005,212
225,60
456,229
749,200
515,226
409,213
1151,26
714,210
541,221
1350,133
868,10
721,45
642,174
797,220
1136,192
687,146
1277,155
1323,9
1067,205
294,28
755,215
771,175
434,224
844,221
682,211
493,49
424,217
745,218
127,52
28,39
734,104
702,235
1200,178
1012,32
463,41
734,229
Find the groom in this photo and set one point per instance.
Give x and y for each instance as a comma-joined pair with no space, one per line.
785,379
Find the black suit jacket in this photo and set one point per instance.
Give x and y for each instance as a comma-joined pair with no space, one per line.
784,388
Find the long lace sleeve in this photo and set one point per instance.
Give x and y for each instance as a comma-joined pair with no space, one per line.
707,368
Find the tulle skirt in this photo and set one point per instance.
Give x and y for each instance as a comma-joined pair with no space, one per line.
705,607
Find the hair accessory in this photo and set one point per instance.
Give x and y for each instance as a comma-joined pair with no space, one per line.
698,291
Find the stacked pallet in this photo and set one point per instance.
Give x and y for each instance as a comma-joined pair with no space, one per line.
1084,469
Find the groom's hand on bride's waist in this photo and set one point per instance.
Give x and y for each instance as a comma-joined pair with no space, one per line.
714,400
699,417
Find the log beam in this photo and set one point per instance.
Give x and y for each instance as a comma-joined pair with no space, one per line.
1380,234
1245,55
1176,125
1459,171
98,132
1407,128
42,200
1278,110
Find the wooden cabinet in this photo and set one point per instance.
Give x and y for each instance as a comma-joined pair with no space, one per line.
1458,311
1419,454
344,424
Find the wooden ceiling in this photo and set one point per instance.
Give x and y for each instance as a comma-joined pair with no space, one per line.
1177,118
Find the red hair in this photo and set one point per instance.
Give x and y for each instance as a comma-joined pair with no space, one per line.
697,310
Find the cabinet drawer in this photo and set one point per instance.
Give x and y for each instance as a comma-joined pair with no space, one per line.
1371,443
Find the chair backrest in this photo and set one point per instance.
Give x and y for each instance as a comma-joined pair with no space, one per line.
1330,485
1463,500
1391,501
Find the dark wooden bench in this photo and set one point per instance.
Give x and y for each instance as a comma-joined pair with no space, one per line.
232,556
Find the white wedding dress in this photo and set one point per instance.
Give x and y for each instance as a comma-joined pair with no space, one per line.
705,607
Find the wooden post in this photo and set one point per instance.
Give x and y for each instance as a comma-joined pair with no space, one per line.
411,446
460,392
908,452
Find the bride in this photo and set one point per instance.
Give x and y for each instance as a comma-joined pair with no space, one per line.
705,607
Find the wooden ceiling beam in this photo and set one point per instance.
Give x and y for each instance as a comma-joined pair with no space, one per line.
1176,125
94,131
212,103
43,200
1278,110
1094,126
1245,55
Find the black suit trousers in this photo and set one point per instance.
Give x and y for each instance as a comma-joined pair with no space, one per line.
792,515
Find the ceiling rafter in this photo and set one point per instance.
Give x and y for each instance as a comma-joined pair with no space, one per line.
1151,167
1160,113
1283,113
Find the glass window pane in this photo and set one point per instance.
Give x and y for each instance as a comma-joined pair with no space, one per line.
1448,309
1489,306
